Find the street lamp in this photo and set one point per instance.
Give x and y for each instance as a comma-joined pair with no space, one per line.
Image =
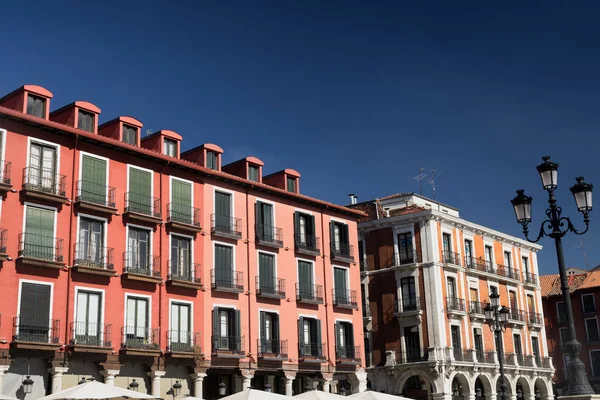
556,226
134,385
176,389
497,318
27,385
222,389
268,388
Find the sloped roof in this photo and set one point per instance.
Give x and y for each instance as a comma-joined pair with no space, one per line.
592,280
550,284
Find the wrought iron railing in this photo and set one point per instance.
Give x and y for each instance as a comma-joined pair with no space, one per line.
141,264
227,280
534,318
90,334
464,355
309,243
344,298
42,180
5,172
272,348
225,224
516,315
311,349
348,352
455,304
269,234
505,271
184,214
93,256
396,259
530,278
36,330
270,287
510,358
229,345
91,192
477,307
140,338
40,247
450,257
412,355
183,271
142,204
183,341
407,304
3,240
309,293
342,250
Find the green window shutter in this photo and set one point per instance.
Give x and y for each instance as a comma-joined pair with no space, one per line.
340,283
350,335
238,330
345,238
266,272
338,347
223,210
223,265
140,190
181,199
301,336
275,327
39,233
93,177
296,225
216,327
258,215
332,236
305,279
319,345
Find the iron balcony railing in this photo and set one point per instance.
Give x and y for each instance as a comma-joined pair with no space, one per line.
91,192
308,243
487,357
227,280
274,287
516,315
464,355
141,264
520,358
534,318
344,298
142,204
140,338
93,256
530,278
269,234
84,333
309,293
396,259
313,349
364,265
510,358
477,307
40,247
5,171
43,180
342,250
505,271
180,341
183,214
366,311
408,304
3,240
228,345
481,264
545,362
36,330
450,257
224,224
183,271
455,304
272,348
348,352
412,355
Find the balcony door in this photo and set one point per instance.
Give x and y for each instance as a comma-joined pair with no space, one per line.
478,339
39,233
223,211
226,329
409,293
87,319
309,333
447,242
91,241
344,340
518,347
93,180
139,250
405,248
269,333
264,221
137,314
42,166
305,280
34,313
180,335
181,257
456,342
266,273
469,253
535,348
140,191
340,282
224,265
412,343
451,283
181,198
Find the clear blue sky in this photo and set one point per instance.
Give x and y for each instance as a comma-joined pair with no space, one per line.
356,96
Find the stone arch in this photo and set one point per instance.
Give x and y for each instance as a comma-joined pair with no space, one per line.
510,385
465,386
486,383
544,386
523,383
424,375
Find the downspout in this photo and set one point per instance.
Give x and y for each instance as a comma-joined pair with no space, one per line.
325,289
248,270
70,254
160,251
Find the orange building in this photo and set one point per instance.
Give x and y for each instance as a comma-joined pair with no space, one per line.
427,275
128,260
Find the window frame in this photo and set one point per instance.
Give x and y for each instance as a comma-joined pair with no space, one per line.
583,310
136,135
167,142
558,312
104,229
561,343
44,101
294,180
138,296
190,304
587,332
595,374
85,113
252,167
87,289
209,155
32,281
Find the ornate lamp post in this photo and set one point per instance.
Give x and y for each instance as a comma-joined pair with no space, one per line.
556,226
497,318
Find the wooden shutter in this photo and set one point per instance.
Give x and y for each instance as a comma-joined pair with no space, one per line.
181,199
319,345
35,305
93,176
223,264
345,238
140,188
216,329
266,273
296,227
301,336
339,281
332,236
338,347
238,330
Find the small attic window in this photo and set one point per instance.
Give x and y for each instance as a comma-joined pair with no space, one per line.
212,160
253,173
85,121
170,147
291,184
36,106
130,134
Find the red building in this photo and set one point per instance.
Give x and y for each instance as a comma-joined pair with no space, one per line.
128,260
584,287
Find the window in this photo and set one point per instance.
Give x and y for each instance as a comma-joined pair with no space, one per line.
518,348
306,288
412,343
591,328
41,174
180,336
525,262
456,342
588,303
138,251
488,255
478,339
361,255
409,294
344,335
474,298
535,349
130,134
39,233
447,242
139,198
212,160
170,147
85,121
304,231
267,273
224,266
339,238
226,329
564,336
90,248
291,184
309,334
269,333
530,304
254,173
36,106
87,318
561,312
507,259
405,248
92,187
34,323
468,253
340,284
451,287
181,202
181,258
566,360
137,321
512,298
223,219
265,228
595,361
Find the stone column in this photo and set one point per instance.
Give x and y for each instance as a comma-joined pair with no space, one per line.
491,396
333,386
289,379
109,376
57,378
198,378
155,382
247,382
358,381
471,396
326,381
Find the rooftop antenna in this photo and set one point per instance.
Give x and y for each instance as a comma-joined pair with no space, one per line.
585,260
422,175
148,132
432,178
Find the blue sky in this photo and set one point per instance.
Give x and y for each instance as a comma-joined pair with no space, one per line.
356,96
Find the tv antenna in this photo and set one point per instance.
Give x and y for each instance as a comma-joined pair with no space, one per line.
585,260
432,177
148,132
422,175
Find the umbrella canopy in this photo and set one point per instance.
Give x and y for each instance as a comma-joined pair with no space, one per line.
4,397
96,390
318,395
370,395
253,394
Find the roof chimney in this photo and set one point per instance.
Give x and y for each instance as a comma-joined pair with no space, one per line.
352,198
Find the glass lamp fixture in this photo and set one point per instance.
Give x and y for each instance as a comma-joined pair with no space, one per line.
522,206
582,192
548,171
134,385
27,385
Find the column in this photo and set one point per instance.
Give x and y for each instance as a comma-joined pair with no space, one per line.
198,378
358,381
471,396
109,376
155,382
3,371
333,386
271,382
326,381
289,390
57,378
247,382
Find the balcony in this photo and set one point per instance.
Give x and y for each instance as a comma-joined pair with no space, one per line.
545,362
183,344
516,316
34,333
183,218
479,264
140,341
183,274
226,226
344,299
142,268
510,359
408,307
3,244
227,281
348,355
450,258
270,236
342,252
535,320
142,208
41,251
506,272
463,355
94,198
91,259
228,347
485,357
273,289
90,337
311,352
477,310
455,306
5,182
412,355
272,350
309,294
364,265
44,185
530,279
366,312
307,244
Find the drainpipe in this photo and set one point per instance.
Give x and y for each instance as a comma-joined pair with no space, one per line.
325,287
70,240
160,251
248,268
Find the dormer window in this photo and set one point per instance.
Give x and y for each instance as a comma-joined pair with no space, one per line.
170,147
85,121
212,160
291,184
130,135
253,173
36,106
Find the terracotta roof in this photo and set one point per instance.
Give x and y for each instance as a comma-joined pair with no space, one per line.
547,283
550,284
374,210
592,280
406,210
367,208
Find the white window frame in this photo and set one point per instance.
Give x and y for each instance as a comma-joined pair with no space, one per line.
173,178
587,333
35,205
47,143
333,267
164,144
150,236
232,203
107,160
51,284
104,229
272,204
312,262
101,292
275,264
129,167
214,258
582,303
191,238
143,296
188,303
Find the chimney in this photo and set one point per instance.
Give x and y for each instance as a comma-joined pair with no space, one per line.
352,198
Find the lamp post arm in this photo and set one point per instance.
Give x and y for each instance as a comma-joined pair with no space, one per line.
541,234
571,227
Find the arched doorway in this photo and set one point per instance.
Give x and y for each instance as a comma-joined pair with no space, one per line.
523,389
540,388
415,388
460,387
508,387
